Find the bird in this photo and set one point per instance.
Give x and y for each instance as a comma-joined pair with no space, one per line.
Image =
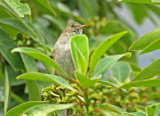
61,50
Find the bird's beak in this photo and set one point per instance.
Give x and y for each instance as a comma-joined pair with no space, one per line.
82,26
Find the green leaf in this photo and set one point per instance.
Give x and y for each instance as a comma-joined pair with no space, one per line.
112,26
4,13
110,113
6,45
44,5
6,90
102,48
145,40
1,97
40,56
22,20
29,63
25,26
57,22
135,69
108,83
34,92
104,64
154,9
84,81
153,110
80,52
46,78
142,1
150,71
84,8
19,8
142,83
17,98
17,111
151,47
31,66
42,28
139,114
46,109
155,1
137,1
65,10
138,12
38,36
93,6
120,71
113,108
12,74
135,114
16,24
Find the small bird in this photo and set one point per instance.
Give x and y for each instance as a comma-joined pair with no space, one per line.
61,51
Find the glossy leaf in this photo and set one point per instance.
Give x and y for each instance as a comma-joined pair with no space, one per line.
105,63
153,110
80,52
120,71
102,48
85,81
145,40
46,78
19,8
150,71
142,83
17,111
46,109
6,45
151,47
6,90
40,56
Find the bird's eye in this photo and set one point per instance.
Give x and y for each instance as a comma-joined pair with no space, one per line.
72,25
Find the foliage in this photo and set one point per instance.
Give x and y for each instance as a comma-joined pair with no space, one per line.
107,79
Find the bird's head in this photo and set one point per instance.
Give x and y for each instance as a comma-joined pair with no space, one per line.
74,28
